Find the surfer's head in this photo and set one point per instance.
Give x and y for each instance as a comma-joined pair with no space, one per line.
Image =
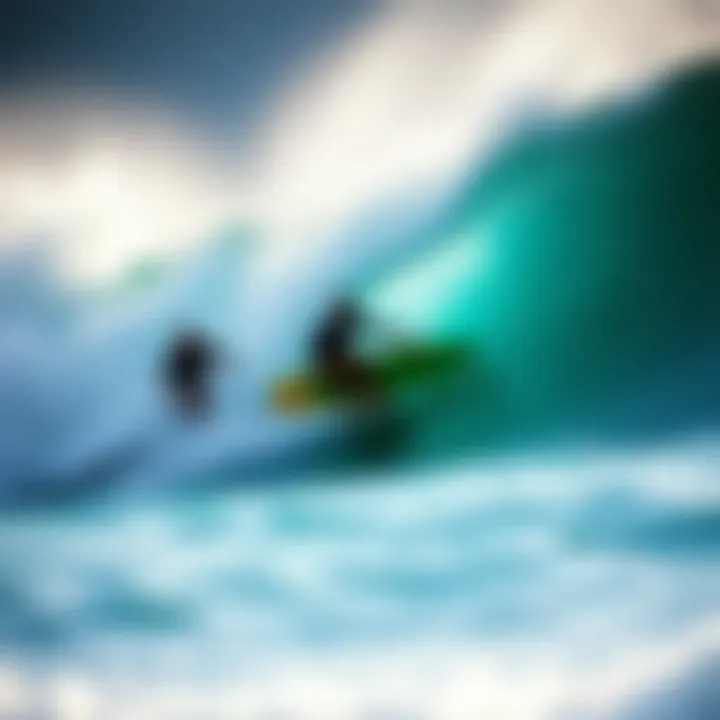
345,313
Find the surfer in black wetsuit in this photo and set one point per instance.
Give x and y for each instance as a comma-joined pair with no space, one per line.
190,362
334,352
381,430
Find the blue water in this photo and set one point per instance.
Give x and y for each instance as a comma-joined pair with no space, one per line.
579,567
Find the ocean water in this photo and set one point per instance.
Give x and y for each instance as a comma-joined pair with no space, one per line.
539,539
516,590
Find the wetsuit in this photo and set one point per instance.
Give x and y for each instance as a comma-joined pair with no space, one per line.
189,366
333,350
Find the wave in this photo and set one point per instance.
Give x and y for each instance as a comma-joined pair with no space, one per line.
578,261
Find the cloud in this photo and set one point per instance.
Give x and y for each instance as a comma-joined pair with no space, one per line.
106,183
407,99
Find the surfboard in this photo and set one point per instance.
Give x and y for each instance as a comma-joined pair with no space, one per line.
300,392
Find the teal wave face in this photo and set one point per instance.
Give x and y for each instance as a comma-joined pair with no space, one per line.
436,295
591,272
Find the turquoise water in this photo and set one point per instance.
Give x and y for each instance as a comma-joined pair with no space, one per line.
512,572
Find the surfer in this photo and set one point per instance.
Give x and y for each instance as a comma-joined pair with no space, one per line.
379,431
190,362
335,356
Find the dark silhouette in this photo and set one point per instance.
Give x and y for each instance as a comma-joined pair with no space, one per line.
334,352
190,363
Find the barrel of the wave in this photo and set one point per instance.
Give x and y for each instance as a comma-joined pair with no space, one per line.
417,365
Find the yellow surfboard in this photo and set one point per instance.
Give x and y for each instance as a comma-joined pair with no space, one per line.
301,392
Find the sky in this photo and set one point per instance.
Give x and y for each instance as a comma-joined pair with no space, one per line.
133,128
214,62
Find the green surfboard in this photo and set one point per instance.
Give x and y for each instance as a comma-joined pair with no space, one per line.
395,370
